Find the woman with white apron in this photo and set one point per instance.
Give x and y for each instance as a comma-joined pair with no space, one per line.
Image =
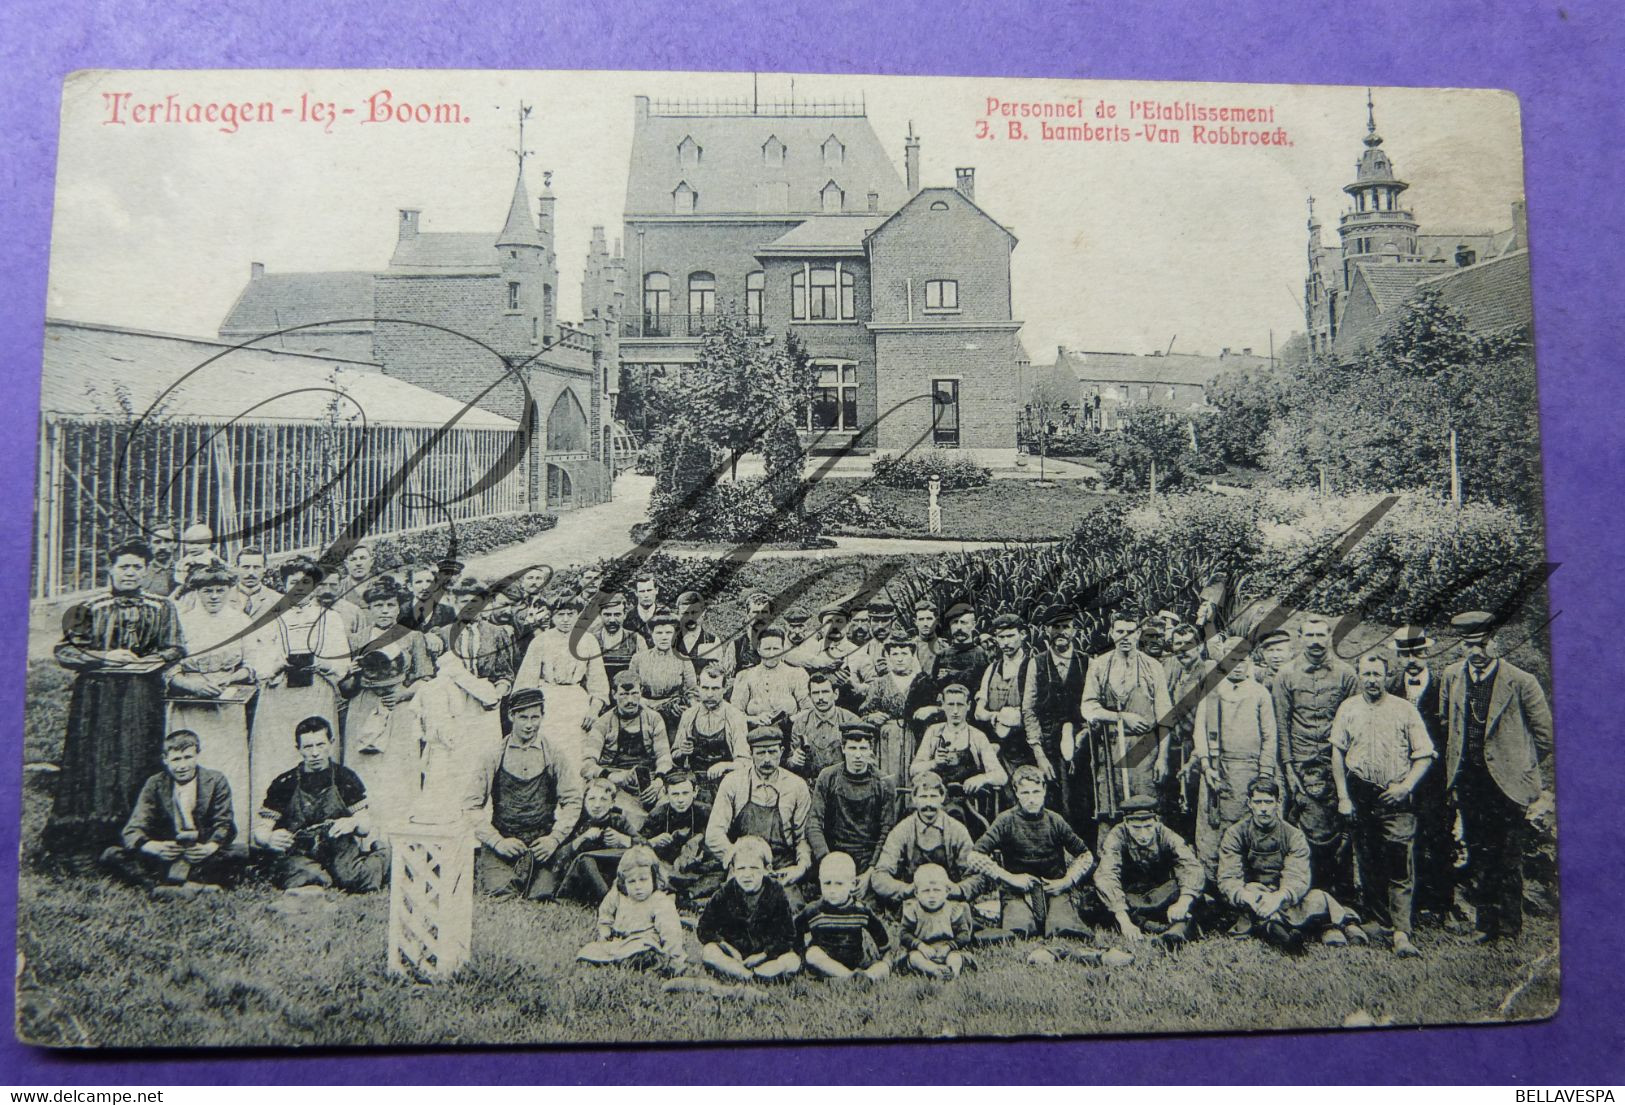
569,669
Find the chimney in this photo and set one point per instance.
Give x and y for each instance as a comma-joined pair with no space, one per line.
409,222
1520,225
874,201
256,269
911,160
1060,351
1246,351
1225,352
965,181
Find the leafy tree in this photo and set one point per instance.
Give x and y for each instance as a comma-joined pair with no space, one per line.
1381,419
1148,433
1246,402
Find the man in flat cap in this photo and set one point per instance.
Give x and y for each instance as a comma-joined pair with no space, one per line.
1498,726
1273,653
1006,700
768,801
1308,691
869,660
963,659
1057,690
696,641
1414,680
1187,667
1148,879
523,799
827,650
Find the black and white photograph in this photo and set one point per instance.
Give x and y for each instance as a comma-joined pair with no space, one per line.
644,557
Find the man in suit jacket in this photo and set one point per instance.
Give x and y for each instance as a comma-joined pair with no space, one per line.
1497,725
1415,681
181,836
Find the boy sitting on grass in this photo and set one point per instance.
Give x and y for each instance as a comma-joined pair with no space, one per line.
841,937
180,838
1041,859
747,932
676,831
935,928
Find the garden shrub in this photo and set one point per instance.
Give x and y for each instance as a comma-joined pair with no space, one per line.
956,469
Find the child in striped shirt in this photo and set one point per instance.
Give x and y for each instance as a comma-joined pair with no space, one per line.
842,937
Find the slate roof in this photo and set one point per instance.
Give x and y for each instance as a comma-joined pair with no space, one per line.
1392,284
1133,368
439,252
278,300
519,229
826,233
731,162
1494,295
87,365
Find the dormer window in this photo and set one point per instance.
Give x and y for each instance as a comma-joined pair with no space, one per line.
834,152
773,152
683,199
831,199
688,152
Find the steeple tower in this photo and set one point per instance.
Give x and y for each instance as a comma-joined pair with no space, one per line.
1378,228
526,311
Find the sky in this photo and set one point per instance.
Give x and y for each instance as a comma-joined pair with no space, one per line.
1126,246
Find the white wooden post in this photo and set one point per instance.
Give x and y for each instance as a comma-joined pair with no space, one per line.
431,900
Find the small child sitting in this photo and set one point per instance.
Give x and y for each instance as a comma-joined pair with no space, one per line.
841,937
1040,858
935,930
587,857
637,921
747,931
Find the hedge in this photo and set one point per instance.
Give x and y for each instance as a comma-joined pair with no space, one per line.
955,469
474,537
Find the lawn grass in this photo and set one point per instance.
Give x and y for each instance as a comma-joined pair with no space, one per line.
103,965
1004,510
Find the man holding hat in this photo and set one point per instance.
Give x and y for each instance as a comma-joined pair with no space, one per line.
1414,680
853,805
1498,726
769,802
1308,691
523,799
1148,879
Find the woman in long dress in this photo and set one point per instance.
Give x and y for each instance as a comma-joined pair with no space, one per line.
305,652
569,669
898,702
667,677
117,644
210,689
385,738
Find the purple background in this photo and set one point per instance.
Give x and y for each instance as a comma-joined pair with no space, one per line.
1563,62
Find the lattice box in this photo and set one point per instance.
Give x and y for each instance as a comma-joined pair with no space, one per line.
431,900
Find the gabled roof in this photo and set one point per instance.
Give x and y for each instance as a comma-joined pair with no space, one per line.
926,196
1392,284
279,300
446,250
825,234
726,176
87,367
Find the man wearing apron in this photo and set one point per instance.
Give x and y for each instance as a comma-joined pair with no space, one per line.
524,797
1125,700
313,820
628,746
1006,694
964,760
768,801
711,736
928,835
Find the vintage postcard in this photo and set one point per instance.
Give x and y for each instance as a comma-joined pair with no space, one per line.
569,557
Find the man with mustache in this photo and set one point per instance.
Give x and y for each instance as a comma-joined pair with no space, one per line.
1498,726
1415,681
963,659
1125,700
